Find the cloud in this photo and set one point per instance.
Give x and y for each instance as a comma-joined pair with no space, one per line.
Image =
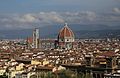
29,20
26,18
116,10
50,17
32,20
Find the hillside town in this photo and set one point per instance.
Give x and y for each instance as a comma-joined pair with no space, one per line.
62,57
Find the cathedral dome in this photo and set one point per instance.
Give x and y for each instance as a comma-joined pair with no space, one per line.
65,32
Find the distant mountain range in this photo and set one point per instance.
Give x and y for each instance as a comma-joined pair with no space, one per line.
81,31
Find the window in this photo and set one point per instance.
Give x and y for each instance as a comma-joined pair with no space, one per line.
61,39
67,39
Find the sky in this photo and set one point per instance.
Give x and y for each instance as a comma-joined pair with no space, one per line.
27,14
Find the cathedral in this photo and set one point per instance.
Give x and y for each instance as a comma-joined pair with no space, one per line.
65,40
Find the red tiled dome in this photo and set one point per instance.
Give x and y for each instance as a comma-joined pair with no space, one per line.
65,32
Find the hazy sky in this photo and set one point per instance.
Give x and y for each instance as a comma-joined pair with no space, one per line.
31,13
23,6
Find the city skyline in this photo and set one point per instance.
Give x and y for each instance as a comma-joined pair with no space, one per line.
59,39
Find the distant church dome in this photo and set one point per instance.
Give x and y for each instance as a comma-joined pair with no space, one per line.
65,38
65,32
